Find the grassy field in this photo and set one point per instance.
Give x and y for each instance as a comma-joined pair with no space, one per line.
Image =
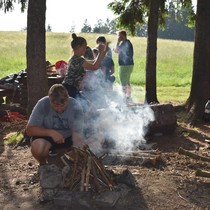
174,61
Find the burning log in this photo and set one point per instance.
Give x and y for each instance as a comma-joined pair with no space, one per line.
87,170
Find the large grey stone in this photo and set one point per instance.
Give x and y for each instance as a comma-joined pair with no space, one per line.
107,198
78,200
50,176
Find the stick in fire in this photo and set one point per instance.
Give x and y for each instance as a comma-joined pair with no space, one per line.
86,169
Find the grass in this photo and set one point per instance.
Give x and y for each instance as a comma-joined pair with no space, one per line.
174,61
13,138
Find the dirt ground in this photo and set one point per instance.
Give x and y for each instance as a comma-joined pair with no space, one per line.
170,184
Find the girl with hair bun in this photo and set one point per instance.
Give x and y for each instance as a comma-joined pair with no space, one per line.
77,64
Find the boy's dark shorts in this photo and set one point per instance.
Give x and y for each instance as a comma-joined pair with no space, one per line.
68,142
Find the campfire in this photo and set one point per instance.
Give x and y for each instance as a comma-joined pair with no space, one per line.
90,180
88,177
85,171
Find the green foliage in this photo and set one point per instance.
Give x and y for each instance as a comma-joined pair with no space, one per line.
104,27
174,60
101,27
8,5
13,138
86,28
130,13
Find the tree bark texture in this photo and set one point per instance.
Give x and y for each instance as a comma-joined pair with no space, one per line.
151,92
200,87
36,53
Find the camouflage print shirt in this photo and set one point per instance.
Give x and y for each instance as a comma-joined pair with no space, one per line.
75,72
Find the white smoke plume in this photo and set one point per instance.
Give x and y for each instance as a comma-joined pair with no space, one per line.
113,121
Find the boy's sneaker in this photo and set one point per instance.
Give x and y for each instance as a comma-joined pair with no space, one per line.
52,153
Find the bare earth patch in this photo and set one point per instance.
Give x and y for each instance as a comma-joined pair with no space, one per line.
170,184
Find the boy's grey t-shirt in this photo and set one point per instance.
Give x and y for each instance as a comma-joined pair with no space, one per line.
72,119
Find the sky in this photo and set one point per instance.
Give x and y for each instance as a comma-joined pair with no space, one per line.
60,15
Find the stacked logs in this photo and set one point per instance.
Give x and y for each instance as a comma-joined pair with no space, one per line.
85,171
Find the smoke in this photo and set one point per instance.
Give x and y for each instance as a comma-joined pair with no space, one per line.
126,126
110,121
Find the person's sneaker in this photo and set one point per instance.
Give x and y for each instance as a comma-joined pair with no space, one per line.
52,153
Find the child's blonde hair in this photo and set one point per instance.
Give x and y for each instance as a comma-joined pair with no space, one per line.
58,94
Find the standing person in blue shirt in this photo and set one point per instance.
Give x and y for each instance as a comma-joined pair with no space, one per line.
107,64
124,48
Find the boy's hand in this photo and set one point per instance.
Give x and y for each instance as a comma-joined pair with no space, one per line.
57,137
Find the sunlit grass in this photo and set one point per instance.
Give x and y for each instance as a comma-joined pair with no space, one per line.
13,138
174,61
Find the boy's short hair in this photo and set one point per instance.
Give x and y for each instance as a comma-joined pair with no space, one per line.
101,39
58,94
123,32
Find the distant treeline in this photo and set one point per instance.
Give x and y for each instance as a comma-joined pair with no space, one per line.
174,28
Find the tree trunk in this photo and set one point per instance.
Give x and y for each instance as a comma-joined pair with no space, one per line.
200,88
35,51
151,92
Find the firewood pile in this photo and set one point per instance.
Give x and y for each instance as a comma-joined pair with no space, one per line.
85,172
